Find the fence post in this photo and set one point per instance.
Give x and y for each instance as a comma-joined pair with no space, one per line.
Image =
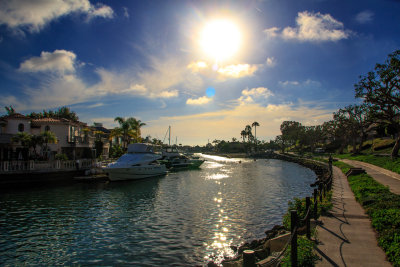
293,244
315,204
6,165
308,217
249,258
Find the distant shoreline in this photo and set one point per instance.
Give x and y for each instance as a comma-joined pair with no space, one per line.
228,155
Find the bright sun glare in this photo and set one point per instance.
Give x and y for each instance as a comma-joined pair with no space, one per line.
220,39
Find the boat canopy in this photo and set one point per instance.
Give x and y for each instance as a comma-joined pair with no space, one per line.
140,148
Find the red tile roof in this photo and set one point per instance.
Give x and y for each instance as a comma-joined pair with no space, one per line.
14,116
41,121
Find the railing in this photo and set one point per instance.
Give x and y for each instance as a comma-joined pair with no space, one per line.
31,165
323,187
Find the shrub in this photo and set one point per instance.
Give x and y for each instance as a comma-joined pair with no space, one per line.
61,157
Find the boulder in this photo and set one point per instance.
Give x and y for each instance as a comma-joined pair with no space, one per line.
278,243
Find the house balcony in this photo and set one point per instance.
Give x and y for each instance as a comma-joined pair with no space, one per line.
77,140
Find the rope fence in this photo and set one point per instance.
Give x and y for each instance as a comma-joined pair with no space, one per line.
324,186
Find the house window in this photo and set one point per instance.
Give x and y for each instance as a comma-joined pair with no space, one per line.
47,128
21,127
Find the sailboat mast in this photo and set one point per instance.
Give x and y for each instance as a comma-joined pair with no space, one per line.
169,137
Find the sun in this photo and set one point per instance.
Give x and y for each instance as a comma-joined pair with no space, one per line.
220,39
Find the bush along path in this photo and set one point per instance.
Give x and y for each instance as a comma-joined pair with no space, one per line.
381,175
345,236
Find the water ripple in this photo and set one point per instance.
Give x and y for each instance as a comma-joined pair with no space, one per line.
185,218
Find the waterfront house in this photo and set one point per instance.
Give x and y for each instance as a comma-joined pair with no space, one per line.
72,140
102,135
11,125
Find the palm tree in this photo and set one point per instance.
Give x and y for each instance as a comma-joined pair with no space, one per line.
129,127
243,134
255,125
124,130
10,110
24,138
138,124
248,132
47,137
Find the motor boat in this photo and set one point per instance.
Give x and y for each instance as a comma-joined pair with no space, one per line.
139,162
175,160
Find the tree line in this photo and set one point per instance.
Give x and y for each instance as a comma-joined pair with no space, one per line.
378,113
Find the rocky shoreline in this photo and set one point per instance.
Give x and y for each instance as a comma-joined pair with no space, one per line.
266,249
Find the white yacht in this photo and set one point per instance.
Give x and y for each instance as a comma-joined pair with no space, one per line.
140,162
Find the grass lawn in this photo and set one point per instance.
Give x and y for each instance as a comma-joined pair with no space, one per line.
381,161
382,206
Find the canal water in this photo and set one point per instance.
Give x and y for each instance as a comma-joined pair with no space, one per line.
182,219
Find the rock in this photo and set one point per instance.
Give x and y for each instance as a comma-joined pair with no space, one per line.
274,230
212,264
238,263
261,253
277,243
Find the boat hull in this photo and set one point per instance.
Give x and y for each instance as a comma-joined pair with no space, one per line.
135,173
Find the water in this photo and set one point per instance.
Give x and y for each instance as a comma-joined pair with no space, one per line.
182,219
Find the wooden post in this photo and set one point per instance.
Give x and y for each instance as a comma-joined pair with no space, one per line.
293,244
308,218
315,204
249,258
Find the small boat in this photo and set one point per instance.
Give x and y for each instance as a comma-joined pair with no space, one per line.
140,162
175,160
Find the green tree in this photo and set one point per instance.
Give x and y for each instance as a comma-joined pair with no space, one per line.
255,125
356,119
137,125
10,110
66,113
243,135
47,137
23,138
249,134
128,128
291,131
381,89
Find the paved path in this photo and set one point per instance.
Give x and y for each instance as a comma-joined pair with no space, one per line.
381,175
346,237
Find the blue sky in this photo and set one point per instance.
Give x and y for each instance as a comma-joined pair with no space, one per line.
292,60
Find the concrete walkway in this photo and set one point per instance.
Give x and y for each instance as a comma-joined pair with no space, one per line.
381,175
346,237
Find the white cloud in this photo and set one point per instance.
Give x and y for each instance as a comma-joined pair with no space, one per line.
34,15
198,101
272,32
312,27
364,17
139,88
270,62
237,71
197,66
100,11
248,96
286,83
166,94
126,12
95,105
57,61
58,84
308,82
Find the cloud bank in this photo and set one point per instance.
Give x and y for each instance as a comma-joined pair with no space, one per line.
34,15
312,27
